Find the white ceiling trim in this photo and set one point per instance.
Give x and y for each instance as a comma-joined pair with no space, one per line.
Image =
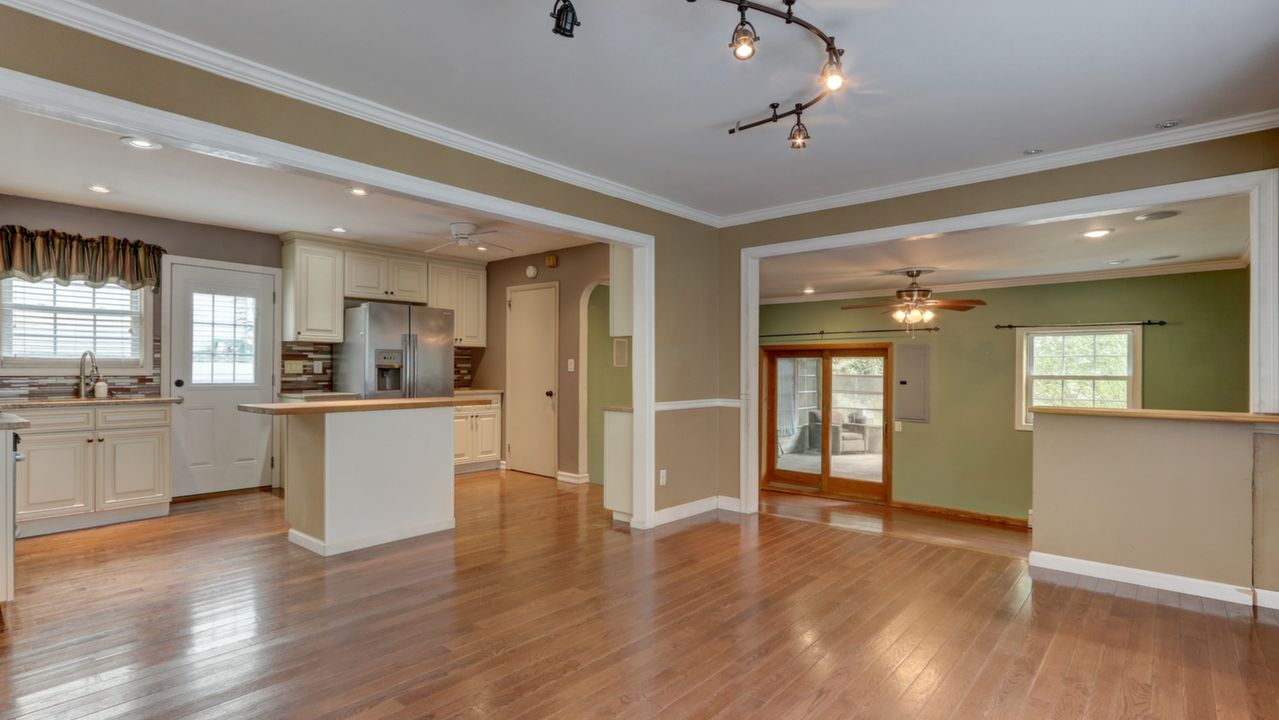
1055,279
156,41
1265,120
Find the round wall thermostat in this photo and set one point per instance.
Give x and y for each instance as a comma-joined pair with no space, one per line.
531,271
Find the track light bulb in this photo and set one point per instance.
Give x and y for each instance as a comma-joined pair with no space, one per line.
833,75
744,40
799,136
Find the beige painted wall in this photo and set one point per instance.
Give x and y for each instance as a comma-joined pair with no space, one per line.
579,267
1164,495
1266,512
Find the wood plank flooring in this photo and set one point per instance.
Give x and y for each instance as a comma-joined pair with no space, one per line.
538,606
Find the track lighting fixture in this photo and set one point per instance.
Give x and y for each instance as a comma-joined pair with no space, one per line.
799,136
744,37
832,76
565,18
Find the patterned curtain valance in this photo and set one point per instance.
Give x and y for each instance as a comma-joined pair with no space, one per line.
35,255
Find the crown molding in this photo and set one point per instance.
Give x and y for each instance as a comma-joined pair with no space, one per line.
1057,279
153,40
1202,132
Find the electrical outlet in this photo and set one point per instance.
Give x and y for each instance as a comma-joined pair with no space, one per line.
572,364
294,367
317,367
661,476
897,426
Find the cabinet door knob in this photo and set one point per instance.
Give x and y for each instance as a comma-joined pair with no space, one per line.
102,439
89,440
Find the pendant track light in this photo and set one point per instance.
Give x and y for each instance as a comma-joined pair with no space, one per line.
744,37
799,136
565,18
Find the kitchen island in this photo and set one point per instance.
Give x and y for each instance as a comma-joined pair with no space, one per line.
367,472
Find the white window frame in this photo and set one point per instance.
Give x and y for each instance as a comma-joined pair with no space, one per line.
145,365
1019,386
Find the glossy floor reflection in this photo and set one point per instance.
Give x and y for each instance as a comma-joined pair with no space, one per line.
539,606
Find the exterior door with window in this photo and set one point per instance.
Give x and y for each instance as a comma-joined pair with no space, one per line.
221,354
828,420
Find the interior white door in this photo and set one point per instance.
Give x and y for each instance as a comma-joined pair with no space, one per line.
532,342
221,354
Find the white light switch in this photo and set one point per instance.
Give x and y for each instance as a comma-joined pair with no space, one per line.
661,476
897,426
572,365
317,367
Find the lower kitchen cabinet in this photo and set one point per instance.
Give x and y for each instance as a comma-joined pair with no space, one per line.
477,435
92,475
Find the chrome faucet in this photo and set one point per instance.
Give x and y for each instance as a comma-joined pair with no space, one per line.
84,379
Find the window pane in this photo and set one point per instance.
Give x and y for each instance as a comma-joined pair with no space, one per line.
51,322
223,339
1083,369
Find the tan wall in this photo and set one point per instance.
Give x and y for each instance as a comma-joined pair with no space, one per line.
1266,512
579,267
1163,495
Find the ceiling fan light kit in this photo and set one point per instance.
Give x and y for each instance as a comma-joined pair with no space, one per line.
915,304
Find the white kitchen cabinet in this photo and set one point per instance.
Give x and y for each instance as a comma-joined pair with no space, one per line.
407,280
366,276
134,467
57,477
116,469
313,291
477,435
382,277
464,290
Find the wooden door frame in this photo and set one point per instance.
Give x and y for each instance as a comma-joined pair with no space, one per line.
555,380
767,409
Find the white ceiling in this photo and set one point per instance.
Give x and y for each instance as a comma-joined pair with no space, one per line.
1206,231
54,160
644,94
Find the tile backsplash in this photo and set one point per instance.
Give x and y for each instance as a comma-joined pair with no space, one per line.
59,387
308,353
464,360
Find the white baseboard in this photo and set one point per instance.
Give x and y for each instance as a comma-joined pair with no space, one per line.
621,517
67,523
302,540
1268,599
463,468
687,510
730,504
328,549
574,478
1146,578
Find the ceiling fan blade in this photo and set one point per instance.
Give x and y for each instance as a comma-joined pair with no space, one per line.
441,247
483,232
503,248
870,305
956,304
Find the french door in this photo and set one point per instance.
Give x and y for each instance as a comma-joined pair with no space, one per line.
828,420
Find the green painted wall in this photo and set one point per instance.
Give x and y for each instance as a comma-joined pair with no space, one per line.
969,456
605,384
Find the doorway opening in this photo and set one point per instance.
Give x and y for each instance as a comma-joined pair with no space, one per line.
826,413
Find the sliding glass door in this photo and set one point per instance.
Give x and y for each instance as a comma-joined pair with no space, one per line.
826,418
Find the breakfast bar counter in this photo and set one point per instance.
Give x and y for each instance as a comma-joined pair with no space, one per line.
366,472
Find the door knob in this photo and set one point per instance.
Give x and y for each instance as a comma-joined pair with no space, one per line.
178,382
550,393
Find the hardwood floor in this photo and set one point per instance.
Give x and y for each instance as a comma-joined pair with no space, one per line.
538,606
898,522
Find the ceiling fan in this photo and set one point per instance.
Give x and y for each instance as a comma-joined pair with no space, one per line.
915,304
466,235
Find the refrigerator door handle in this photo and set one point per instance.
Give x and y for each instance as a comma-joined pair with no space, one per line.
406,366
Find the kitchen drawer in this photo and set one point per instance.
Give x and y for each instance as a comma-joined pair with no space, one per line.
59,419
128,417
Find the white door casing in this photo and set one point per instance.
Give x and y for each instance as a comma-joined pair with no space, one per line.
532,391
214,446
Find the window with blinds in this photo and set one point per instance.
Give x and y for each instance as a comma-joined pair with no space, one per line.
46,325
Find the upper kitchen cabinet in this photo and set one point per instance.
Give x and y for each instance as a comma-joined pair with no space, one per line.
463,290
313,288
384,277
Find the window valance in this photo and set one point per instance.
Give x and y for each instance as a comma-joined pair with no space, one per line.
35,255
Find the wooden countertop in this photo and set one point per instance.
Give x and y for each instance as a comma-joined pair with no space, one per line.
9,421
346,406
475,391
1191,415
86,402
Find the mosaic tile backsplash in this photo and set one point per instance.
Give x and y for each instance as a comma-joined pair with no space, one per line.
34,387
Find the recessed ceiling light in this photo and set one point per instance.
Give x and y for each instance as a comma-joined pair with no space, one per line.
1117,262
1157,215
358,191
1098,233
140,143
1032,151
1168,124
338,230
1162,258
809,291
100,189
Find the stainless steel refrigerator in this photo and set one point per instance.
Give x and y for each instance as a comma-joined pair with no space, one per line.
395,351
